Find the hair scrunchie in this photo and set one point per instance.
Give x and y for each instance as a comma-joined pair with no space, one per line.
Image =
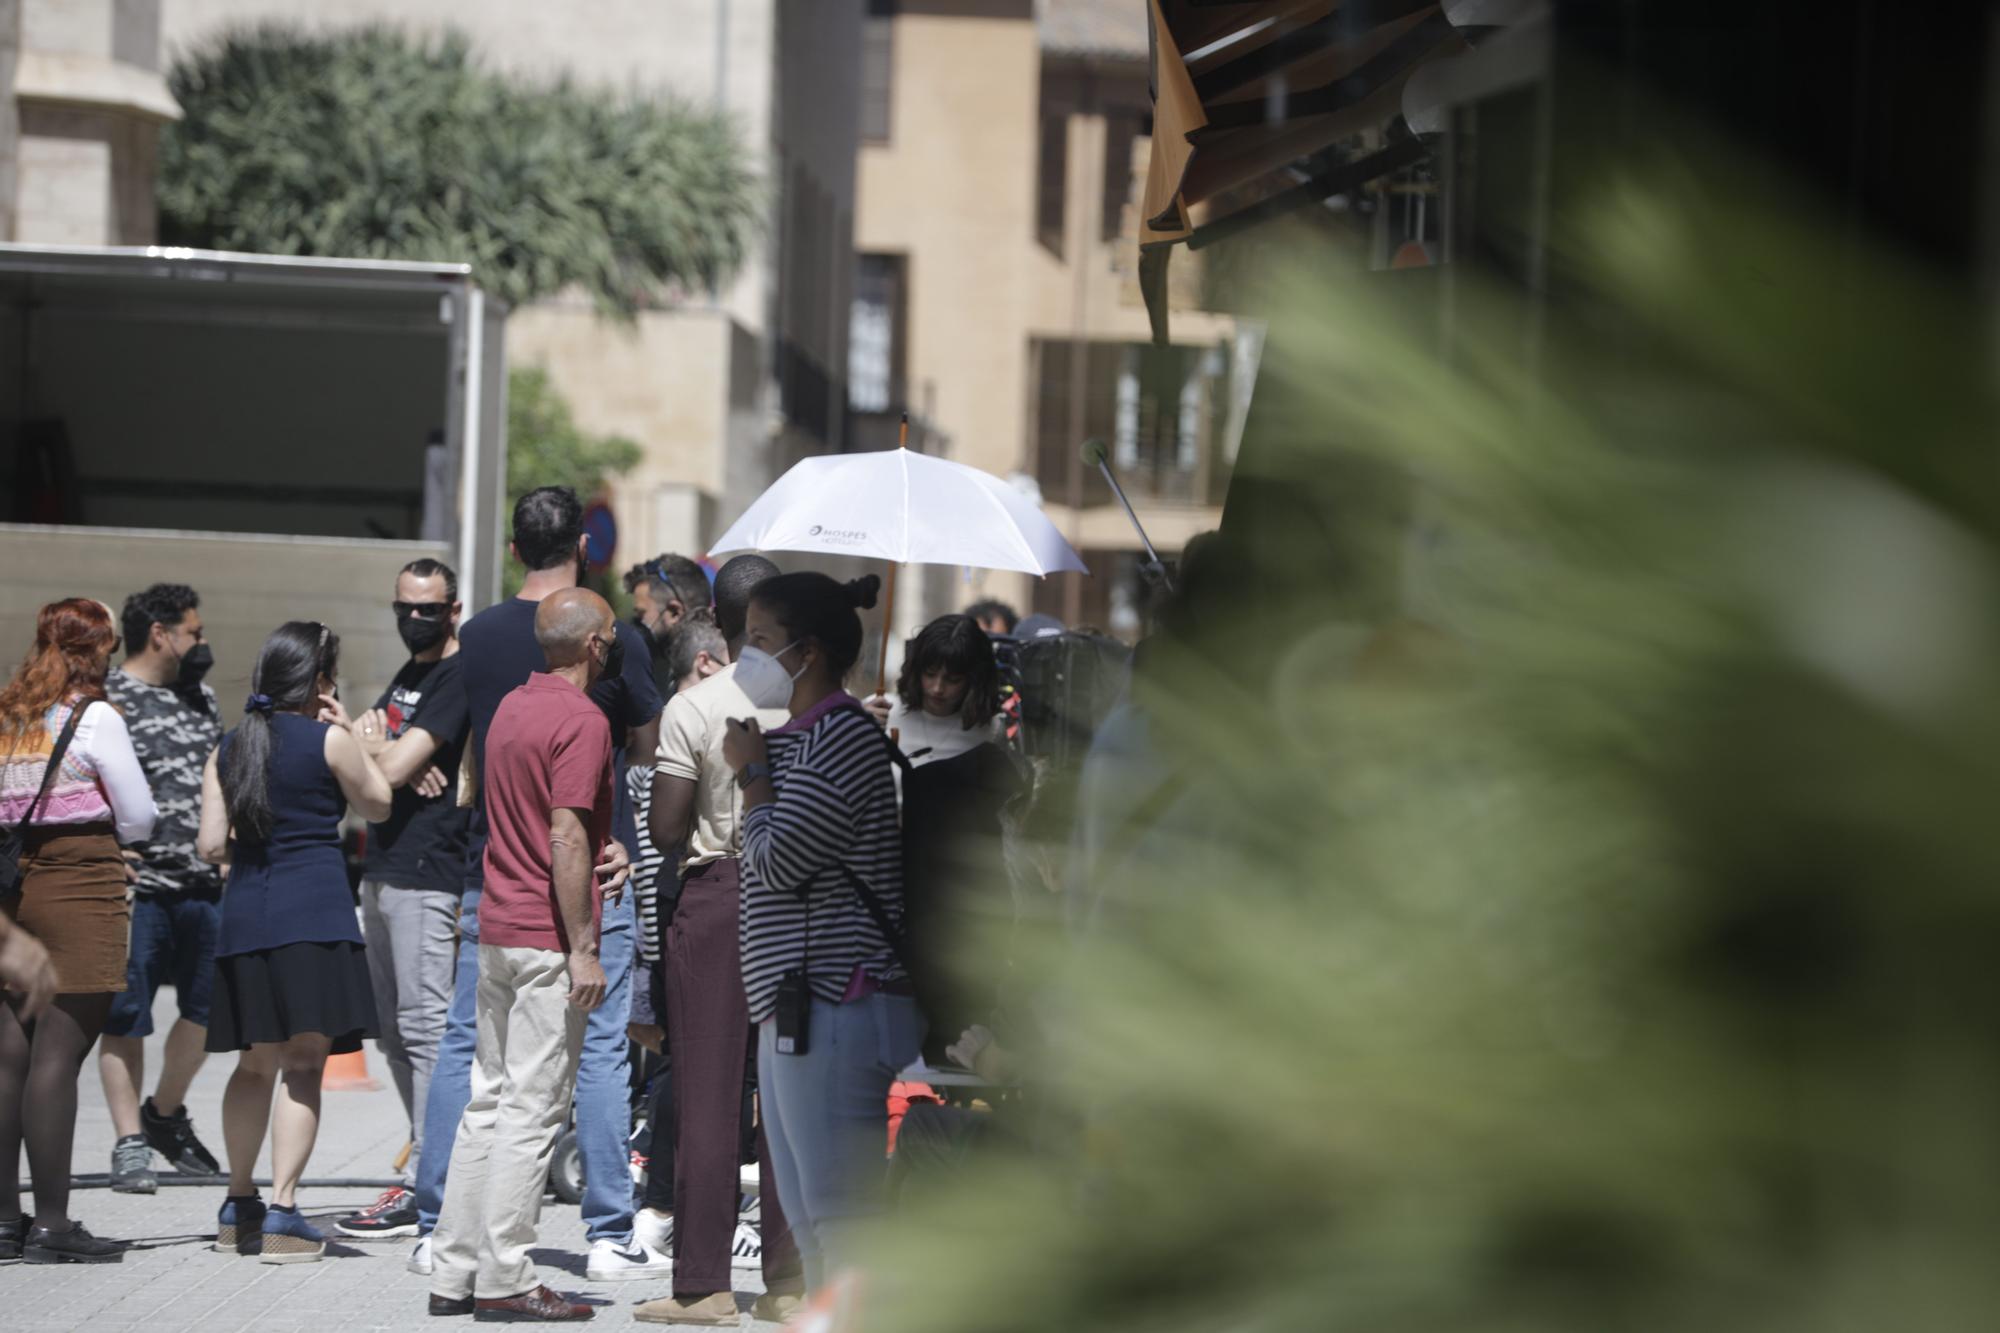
258,703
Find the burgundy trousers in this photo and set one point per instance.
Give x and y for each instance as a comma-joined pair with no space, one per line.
708,1037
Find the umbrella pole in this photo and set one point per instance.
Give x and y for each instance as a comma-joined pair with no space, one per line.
888,629
889,602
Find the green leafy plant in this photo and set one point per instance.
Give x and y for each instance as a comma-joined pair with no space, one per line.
1608,945
372,143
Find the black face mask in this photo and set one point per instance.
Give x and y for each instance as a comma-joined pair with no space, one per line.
614,657
419,634
195,663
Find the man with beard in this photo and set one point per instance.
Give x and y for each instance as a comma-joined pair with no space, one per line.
665,591
174,724
415,866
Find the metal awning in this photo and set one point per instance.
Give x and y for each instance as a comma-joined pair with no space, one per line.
1245,90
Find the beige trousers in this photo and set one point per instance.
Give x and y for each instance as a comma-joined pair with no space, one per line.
523,1071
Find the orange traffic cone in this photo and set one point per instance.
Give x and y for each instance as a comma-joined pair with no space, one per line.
348,1073
834,1308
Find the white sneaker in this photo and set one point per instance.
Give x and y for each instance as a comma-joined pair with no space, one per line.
748,1251
608,1263
654,1230
420,1258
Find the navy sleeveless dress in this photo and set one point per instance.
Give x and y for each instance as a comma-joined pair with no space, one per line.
288,955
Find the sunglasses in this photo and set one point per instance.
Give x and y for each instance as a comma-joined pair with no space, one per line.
427,610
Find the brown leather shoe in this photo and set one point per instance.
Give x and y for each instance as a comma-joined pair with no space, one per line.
537,1305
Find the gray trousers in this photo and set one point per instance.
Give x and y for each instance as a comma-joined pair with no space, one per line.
412,938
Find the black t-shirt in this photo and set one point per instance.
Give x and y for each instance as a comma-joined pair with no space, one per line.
499,649
663,666
422,843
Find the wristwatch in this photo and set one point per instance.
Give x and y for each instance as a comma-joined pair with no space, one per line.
750,773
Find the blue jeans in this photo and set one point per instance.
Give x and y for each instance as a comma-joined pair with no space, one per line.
173,941
603,1082
604,1088
826,1117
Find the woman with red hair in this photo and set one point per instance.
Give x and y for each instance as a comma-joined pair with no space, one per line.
74,809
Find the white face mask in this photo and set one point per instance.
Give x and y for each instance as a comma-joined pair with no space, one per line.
763,677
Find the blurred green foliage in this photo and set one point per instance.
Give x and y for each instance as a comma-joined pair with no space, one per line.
372,143
545,447
1601,939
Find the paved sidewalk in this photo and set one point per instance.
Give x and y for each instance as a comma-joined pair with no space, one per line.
172,1279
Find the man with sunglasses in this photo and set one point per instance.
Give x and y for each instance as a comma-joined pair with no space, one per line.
665,591
415,865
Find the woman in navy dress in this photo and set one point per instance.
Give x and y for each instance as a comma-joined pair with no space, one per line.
291,981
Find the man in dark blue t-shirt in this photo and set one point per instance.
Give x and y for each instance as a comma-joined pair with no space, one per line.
499,653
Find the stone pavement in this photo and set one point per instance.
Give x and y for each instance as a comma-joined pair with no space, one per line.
171,1279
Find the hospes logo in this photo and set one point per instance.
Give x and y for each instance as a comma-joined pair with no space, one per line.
839,536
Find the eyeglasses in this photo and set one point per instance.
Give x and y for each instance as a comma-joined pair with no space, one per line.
427,610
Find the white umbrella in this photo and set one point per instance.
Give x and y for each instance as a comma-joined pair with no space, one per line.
891,504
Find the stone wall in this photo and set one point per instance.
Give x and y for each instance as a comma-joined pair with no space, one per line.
80,131
10,124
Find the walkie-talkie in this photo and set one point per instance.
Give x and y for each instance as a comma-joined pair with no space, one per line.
794,1007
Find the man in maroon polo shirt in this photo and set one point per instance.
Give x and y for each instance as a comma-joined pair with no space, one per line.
548,787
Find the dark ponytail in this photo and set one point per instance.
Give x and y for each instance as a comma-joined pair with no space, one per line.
813,606
288,669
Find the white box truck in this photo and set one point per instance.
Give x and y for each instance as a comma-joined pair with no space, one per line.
282,433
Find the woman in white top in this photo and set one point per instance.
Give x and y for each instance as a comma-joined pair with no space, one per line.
71,896
947,699
946,721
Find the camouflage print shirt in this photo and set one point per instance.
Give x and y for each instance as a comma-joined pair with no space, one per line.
173,734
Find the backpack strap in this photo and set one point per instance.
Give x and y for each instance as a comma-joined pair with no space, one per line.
892,931
895,932
54,768
896,756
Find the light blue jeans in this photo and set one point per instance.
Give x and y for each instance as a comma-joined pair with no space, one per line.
603,1082
826,1115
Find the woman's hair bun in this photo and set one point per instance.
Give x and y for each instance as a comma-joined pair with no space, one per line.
861,592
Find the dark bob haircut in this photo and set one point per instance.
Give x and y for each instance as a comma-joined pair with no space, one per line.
957,646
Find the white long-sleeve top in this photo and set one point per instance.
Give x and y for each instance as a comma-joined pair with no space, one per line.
100,777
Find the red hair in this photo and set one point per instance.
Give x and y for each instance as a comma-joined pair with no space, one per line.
72,653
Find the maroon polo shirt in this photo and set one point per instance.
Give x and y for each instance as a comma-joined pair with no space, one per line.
549,748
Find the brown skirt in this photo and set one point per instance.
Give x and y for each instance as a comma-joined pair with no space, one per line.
73,900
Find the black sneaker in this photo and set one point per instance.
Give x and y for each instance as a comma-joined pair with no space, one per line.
172,1137
74,1246
13,1235
394,1214
132,1166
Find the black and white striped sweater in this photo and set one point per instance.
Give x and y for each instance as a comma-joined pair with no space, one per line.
834,807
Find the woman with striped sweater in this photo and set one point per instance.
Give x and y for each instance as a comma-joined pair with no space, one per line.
821,910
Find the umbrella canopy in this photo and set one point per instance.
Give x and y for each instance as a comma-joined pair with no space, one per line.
904,507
